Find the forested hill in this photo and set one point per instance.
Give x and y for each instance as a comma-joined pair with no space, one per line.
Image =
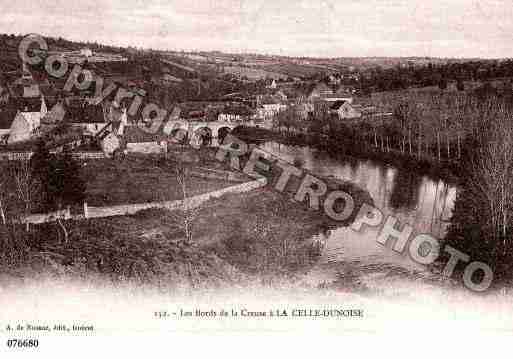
175,76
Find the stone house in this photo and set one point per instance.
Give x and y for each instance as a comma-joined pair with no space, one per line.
89,118
344,110
234,113
319,91
26,124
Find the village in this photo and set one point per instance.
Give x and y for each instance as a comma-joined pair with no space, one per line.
114,162
174,174
34,108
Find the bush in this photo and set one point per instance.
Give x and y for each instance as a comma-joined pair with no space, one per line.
105,250
59,176
259,246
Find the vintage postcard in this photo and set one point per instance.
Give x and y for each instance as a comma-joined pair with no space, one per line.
303,177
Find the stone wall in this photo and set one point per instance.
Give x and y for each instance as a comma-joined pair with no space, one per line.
128,209
24,156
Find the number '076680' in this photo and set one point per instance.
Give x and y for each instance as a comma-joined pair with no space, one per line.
22,343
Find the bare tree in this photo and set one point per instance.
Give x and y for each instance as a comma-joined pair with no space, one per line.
458,111
447,122
4,196
25,187
186,216
405,111
492,170
19,192
436,115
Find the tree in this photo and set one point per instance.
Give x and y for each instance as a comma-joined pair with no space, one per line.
40,164
320,119
437,110
19,196
482,221
287,119
442,84
405,112
66,185
186,216
461,109
59,177
460,86
27,188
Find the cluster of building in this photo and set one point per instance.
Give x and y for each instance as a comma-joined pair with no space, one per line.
32,117
260,110
340,102
17,125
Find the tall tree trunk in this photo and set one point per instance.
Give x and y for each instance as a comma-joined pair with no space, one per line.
448,147
459,145
409,139
434,207
419,146
445,190
2,213
438,144
64,231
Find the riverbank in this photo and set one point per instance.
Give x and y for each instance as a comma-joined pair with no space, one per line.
349,151
237,240
266,233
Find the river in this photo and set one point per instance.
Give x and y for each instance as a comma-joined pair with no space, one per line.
352,256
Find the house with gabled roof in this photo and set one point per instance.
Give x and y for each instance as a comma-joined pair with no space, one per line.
269,106
319,91
55,115
344,110
26,124
272,85
121,135
89,118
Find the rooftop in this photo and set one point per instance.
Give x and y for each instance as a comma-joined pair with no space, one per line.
337,104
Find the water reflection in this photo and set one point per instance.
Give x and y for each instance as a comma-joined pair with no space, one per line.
423,203
405,190
417,200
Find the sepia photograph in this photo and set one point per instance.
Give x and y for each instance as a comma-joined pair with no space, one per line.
306,177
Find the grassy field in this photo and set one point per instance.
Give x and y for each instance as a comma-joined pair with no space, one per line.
261,233
237,241
262,236
139,179
252,73
295,70
257,237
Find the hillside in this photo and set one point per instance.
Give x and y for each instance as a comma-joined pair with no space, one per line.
172,76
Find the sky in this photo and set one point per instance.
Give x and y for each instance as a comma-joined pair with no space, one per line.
317,28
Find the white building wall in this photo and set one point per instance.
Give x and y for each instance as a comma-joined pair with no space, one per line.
146,147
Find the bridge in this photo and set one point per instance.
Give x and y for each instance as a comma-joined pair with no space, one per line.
199,132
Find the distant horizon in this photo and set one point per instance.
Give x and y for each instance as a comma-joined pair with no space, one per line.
260,53
324,29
